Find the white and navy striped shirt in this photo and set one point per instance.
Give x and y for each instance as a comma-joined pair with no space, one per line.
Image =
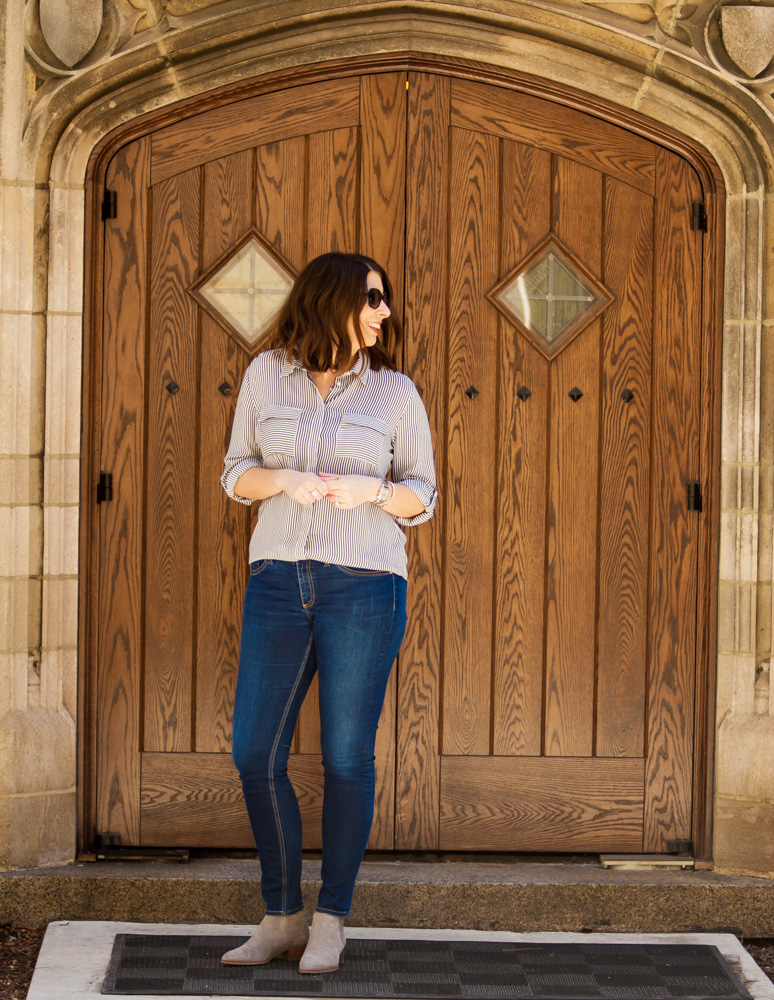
370,423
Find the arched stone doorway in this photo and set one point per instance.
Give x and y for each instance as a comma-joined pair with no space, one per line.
662,69
557,605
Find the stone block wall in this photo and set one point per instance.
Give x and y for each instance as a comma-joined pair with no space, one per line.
706,69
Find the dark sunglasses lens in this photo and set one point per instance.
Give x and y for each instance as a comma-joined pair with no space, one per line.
375,297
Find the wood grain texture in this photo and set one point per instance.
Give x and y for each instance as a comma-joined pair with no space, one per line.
524,803
222,537
119,598
334,169
253,122
517,691
383,237
196,799
171,462
280,191
419,663
624,473
470,473
549,126
572,515
676,424
350,199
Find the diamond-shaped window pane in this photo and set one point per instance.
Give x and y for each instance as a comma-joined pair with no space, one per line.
248,290
549,296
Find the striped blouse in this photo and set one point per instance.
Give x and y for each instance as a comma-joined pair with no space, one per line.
370,423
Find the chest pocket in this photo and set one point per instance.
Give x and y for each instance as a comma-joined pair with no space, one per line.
362,437
278,429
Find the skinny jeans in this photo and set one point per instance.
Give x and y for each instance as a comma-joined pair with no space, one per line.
347,624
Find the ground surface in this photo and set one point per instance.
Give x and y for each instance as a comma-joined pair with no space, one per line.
19,950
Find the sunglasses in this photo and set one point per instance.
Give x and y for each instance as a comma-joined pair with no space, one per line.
376,297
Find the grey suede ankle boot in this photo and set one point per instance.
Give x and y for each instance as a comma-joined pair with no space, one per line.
325,947
277,936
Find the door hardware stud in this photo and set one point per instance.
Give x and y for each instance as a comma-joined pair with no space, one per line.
471,391
627,395
172,388
575,394
225,388
523,393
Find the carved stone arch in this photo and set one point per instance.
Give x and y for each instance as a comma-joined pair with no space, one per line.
718,123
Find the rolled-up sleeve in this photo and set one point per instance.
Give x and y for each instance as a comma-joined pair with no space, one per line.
244,450
412,463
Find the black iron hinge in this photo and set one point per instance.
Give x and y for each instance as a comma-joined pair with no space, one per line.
694,496
109,205
699,218
105,487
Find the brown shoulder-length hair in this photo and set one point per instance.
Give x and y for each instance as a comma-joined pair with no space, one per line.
312,324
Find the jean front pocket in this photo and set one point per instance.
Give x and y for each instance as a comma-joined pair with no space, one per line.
259,566
359,571
278,429
362,437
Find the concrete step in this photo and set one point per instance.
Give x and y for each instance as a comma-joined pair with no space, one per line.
508,895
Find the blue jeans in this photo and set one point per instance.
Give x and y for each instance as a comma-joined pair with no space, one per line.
348,625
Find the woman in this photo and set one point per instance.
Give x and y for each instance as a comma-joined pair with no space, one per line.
323,416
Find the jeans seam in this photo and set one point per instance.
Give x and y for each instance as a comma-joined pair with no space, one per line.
272,758
309,577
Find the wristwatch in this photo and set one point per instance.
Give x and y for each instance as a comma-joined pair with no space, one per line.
384,494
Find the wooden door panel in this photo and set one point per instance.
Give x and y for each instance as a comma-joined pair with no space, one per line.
624,473
539,803
196,798
120,595
676,343
383,174
333,191
420,660
573,486
306,194
280,189
549,653
222,528
173,353
535,121
253,122
470,482
517,691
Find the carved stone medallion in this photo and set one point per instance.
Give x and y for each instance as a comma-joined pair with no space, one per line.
71,27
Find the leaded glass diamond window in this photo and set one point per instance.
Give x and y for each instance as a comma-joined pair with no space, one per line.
246,288
550,296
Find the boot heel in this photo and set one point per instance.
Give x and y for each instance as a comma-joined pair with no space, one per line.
293,954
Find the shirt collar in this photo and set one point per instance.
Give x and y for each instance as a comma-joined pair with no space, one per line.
361,367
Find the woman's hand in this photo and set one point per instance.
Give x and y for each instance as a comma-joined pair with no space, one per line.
303,487
350,491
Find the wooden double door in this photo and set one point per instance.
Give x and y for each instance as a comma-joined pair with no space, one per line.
548,274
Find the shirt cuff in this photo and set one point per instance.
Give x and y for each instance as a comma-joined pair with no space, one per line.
426,493
228,479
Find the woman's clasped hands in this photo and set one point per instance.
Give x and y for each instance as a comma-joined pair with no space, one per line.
343,492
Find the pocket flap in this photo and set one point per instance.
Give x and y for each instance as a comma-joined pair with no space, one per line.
361,420
291,412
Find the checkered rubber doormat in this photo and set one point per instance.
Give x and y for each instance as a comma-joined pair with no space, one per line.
182,964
